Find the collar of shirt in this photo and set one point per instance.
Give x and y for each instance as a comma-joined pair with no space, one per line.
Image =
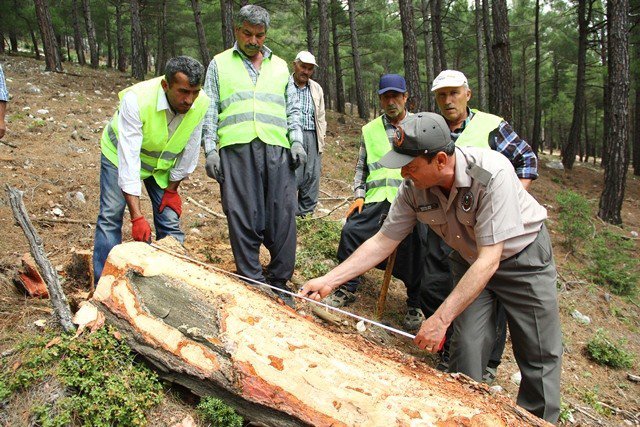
458,131
386,121
293,80
266,52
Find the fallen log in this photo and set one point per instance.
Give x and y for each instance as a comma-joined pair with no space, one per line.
217,336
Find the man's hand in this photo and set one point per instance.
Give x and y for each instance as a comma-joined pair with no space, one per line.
213,166
171,199
431,335
357,205
140,231
298,155
316,289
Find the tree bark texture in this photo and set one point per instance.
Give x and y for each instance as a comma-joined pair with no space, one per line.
107,26
636,127
428,51
439,57
161,59
617,129
202,40
537,108
503,86
122,58
137,49
480,61
57,296
91,34
308,21
410,50
226,12
488,44
323,59
335,11
77,33
49,43
363,109
216,335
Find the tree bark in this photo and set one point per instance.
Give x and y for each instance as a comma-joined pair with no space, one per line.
122,58
202,40
50,46
226,12
107,26
617,129
503,85
537,107
486,26
77,33
363,109
573,139
480,61
605,93
636,127
439,57
335,10
428,51
308,21
13,39
91,34
161,59
323,57
137,49
410,50
57,296
216,335
34,40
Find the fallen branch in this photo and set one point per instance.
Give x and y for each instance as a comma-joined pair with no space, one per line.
204,208
61,220
328,213
8,144
58,298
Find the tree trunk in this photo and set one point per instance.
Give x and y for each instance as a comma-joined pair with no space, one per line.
91,34
617,129
217,336
573,139
503,85
13,39
363,109
137,49
428,51
50,46
107,25
587,140
161,59
605,94
202,40
439,57
537,108
323,57
122,58
410,50
308,21
480,61
335,10
524,98
77,33
34,41
636,127
226,12
488,44
2,50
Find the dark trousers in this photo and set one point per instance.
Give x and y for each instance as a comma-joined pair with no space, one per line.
308,175
408,266
259,200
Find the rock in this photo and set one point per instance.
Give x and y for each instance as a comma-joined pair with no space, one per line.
516,378
495,389
581,318
42,111
76,198
555,164
26,108
74,134
634,234
32,89
57,212
40,323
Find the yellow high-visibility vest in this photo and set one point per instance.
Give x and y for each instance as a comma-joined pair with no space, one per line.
382,183
476,132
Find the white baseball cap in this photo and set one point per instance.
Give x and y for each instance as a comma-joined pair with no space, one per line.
306,57
449,78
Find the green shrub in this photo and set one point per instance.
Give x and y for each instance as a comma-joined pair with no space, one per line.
218,413
573,219
566,413
614,263
604,352
103,385
319,244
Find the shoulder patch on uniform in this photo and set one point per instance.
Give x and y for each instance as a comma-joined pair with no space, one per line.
480,174
467,201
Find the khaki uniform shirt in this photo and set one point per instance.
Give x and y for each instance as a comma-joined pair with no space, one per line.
486,205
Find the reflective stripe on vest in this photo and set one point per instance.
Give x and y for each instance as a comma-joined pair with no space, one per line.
158,153
249,111
476,132
382,183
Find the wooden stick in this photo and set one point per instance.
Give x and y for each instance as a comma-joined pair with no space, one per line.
62,220
8,144
382,299
328,213
57,296
204,208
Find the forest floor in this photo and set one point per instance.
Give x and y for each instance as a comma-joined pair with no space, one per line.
54,154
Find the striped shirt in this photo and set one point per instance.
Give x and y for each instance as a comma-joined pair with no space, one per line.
4,93
212,89
307,109
507,142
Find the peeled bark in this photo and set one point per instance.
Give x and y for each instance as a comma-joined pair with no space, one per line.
218,336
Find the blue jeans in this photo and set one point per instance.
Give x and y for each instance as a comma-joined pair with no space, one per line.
112,204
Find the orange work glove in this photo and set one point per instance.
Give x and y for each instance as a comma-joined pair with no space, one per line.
357,205
172,199
140,231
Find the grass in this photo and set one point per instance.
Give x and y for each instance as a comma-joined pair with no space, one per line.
605,352
319,244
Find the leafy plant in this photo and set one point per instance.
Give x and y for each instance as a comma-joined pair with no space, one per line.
614,263
573,219
319,240
591,397
218,413
605,352
566,413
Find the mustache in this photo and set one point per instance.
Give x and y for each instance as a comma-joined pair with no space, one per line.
253,46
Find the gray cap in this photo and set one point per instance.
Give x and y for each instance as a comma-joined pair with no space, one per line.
421,133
